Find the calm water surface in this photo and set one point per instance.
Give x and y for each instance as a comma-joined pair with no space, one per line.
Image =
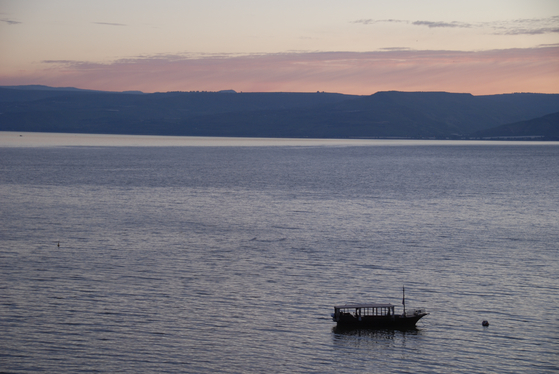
205,259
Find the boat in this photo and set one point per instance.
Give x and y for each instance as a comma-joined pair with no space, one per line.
376,316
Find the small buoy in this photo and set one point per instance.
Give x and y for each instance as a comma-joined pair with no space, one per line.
58,244
485,323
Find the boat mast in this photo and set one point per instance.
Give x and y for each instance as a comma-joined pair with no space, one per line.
404,298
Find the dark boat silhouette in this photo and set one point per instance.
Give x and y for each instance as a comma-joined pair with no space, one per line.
377,316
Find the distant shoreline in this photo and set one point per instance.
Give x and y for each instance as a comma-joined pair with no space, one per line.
15,139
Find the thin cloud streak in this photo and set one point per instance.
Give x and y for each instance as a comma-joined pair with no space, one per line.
487,72
9,21
533,26
109,24
544,30
526,26
441,24
373,21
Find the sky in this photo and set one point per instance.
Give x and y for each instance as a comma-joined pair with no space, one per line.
346,46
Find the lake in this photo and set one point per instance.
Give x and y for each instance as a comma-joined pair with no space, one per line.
199,255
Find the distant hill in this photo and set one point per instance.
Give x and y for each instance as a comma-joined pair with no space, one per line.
545,128
39,87
227,113
37,92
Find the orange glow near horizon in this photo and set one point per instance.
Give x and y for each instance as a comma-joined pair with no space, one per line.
479,73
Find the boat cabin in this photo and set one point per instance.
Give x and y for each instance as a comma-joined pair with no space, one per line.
363,310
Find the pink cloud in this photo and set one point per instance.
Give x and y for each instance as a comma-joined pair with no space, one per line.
485,72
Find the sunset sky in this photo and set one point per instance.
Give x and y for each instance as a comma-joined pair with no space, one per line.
346,46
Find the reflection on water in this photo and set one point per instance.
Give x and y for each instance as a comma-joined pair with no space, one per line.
383,350
373,332
343,337
38,139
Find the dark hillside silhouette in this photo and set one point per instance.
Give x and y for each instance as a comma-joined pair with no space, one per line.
314,115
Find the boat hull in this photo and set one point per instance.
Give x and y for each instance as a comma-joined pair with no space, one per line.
380,322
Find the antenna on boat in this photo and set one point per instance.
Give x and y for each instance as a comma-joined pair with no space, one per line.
404,298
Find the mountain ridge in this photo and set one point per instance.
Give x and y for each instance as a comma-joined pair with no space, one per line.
544,128
268,114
